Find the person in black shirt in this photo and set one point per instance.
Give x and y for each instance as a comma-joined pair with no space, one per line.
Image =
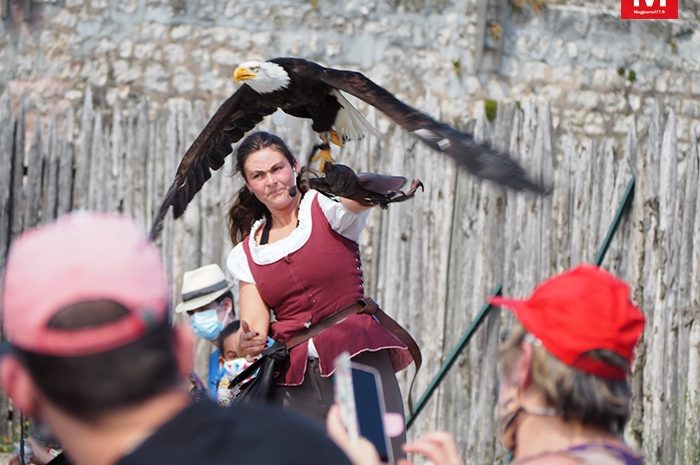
206,433
92,354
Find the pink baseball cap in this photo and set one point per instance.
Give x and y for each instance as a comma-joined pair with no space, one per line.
82,257
578,311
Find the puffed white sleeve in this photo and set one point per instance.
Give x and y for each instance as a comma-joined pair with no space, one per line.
343,221
237,264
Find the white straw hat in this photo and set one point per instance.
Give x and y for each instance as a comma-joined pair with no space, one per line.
201,287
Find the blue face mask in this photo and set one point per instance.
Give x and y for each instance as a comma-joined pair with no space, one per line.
206,324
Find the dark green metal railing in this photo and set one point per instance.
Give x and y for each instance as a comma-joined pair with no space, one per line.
452,358
617,219
486,309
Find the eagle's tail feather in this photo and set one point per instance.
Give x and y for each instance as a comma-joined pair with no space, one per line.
350,123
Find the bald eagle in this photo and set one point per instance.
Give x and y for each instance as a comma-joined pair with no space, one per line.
308,90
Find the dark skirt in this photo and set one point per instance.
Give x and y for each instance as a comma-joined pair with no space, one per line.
314,397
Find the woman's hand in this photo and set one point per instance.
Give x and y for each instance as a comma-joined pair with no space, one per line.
360,450
250,343
439,448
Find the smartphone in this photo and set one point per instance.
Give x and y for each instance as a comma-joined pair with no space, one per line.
358,391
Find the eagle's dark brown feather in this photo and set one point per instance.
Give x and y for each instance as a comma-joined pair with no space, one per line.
480,159
237,115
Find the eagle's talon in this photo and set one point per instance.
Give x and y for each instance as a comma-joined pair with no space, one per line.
321,152
336,138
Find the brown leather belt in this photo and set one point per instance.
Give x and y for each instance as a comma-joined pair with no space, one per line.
370,307
361,306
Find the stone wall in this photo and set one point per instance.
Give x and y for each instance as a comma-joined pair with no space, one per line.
594,68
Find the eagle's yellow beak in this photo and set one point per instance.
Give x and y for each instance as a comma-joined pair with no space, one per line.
242,73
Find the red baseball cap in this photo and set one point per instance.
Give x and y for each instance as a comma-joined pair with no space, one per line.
580,310
82,257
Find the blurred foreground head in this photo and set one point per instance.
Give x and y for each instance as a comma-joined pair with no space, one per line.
85,312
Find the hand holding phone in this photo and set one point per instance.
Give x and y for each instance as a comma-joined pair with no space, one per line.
358,391
360,450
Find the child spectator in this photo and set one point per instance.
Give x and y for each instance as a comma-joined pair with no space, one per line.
231,362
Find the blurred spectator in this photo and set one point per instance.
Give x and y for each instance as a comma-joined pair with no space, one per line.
92,354
564,396
207,299
233,363
37,452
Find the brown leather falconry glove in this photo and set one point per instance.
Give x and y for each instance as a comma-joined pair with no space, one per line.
366,188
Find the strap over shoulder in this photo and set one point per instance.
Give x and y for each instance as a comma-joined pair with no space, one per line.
402,335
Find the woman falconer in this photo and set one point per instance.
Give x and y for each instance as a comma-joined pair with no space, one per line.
296,254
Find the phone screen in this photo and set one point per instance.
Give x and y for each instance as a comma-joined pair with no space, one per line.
358,392
370,409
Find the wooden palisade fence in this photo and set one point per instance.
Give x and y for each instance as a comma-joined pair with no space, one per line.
432,261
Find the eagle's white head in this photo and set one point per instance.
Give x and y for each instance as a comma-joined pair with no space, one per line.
262,76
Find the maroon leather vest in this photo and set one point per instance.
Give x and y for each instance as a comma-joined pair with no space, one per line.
313,282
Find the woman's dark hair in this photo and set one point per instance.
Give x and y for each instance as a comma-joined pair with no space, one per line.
226,332
226,294
246,208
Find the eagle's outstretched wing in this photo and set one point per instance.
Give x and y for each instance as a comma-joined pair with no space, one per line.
479,159
236,116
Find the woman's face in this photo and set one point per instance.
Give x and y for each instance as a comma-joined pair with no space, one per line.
269,175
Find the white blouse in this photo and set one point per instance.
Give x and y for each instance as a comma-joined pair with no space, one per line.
345,222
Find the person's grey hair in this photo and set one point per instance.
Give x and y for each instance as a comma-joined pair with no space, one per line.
574,394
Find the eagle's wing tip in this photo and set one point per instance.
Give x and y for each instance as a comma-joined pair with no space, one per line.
538,188
154,233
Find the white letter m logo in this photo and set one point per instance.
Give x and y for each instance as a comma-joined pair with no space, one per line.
650,3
